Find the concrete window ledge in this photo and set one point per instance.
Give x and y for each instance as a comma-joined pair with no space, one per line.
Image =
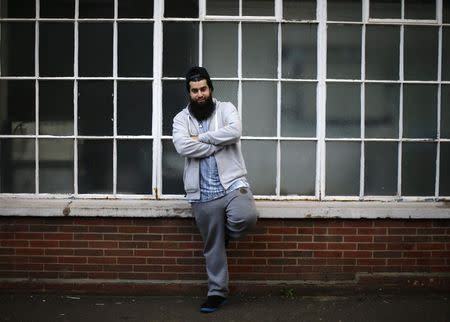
181,209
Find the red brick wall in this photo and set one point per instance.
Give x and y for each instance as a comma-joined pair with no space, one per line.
164,251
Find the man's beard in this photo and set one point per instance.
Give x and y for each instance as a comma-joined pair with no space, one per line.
202,111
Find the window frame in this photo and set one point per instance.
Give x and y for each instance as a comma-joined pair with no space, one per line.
157,79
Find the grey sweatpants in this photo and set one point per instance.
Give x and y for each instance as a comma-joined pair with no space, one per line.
232,216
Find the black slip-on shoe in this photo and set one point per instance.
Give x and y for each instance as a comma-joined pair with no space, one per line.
212,303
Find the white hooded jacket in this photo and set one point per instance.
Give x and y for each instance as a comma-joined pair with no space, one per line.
222,139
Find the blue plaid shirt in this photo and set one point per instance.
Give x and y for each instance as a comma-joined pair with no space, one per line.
210,186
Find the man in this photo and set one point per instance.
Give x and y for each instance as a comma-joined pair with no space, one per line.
207,133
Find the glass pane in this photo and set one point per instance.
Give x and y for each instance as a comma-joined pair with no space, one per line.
220,57
17,107
180,47
134,166
96,49
419,111
342,168
382,110
299,9
344,51
135,9
298,109
134,108
382,52
298,168
446,53
418,158
17,49
56,107
259,108
260,159
181,8
226,91
386,9
258,8
259,50
56,166
172,170
18,9
420,9
421,53
343,110
446,11
380,168
445,111
222,8
96,8
135,49
17,165
444,170
57,8
56,49
95,108
95,166
344,10
299,52
175,98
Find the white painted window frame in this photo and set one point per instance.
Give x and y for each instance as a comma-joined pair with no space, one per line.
321,80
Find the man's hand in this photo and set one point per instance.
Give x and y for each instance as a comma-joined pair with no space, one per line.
194,137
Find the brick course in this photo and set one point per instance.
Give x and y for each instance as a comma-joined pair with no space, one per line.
168,250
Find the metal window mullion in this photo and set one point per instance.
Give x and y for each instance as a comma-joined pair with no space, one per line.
341,81
438,163
36,142
115,50
365,11
402,15
17,136
363,159
300,80
365,17
279,72
278,10
36,102
439,102
439,16
202,10
157,98
400,118
200,43
321,97
75,101
239,71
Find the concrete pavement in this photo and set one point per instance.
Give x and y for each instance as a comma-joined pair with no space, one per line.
286,306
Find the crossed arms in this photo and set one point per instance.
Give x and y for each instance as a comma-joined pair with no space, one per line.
208,143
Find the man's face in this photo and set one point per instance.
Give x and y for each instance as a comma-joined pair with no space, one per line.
199,91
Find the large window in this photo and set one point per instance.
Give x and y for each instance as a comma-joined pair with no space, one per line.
340,100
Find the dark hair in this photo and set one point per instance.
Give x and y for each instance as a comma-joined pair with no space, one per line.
196,74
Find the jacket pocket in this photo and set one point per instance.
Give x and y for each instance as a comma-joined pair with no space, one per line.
191,176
